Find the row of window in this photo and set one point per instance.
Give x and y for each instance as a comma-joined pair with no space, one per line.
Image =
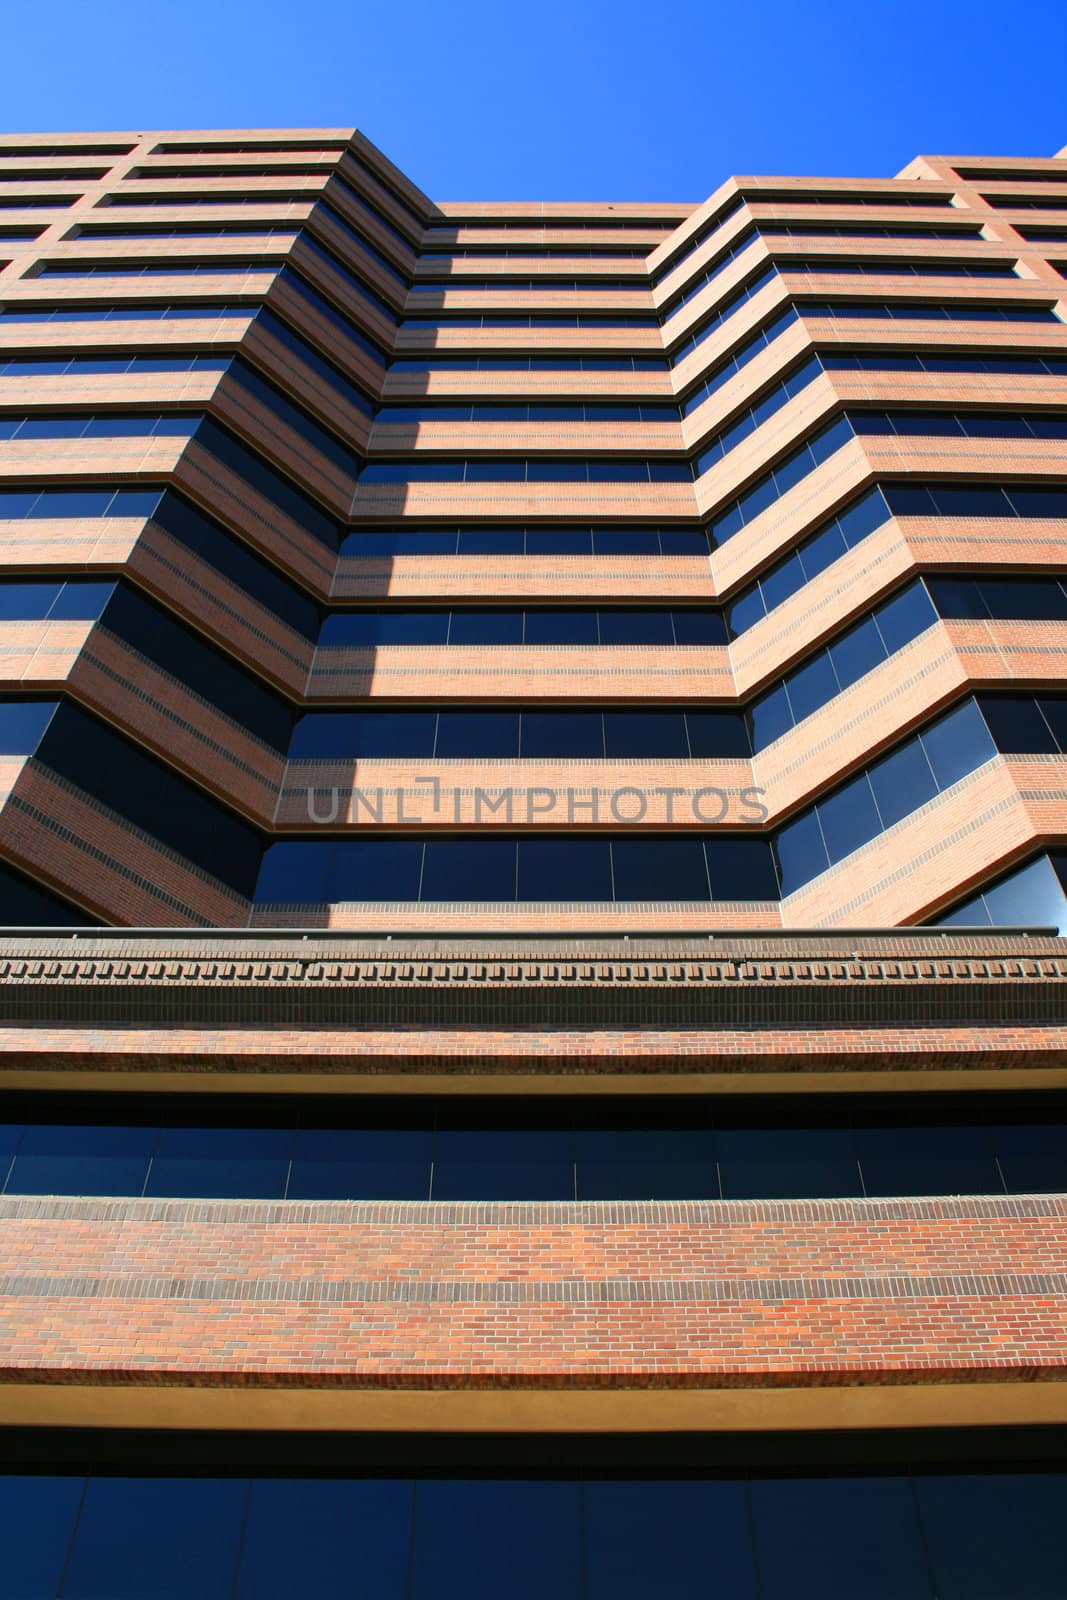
598,282
905,1533
872,230
460,252
111,425
747,421
446,1153
155,269
723,371
786,475
534,470
529,734
968,425
196,311
923,311
521,363
535,319
57,366
895,268
550,541
187,230
534,411
871,511
358,630
944,361
477,868
1028,896
719,318
15,504
884,792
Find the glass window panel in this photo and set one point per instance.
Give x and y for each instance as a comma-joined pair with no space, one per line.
374,869
699,627
366,629
376,1163
80,602
782,581
293,873
491,542
472,734
902,782
485,627
22,725
857,652
647,1163
905,616
821,550
811,686
801,852
561,627
326,1539
636,627
469,869
221,1163
994,1535
745,611
717,734
849,818
1031,600
961,500
859,1536
348,735
1031,896
958,744
679,1540
165,1537
783,1163
1017,725
559,542
81,1160
564,869
27,602
958,598
645,734
741,869
482,1539
560,735
1032,1158
940,1160
502,1163
36,1522
657,868
1054,711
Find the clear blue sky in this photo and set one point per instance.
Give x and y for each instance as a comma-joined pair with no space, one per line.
597,99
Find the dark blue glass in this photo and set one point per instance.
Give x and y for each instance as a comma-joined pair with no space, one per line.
645,735
561,627
559,542
22,725
699,627
636,628
994,1535
745,612
562,735
374,869
491,542
164,1537
564,869
801,852
1054,710
679,1540
81,602
1031,896
366,629
221,1163
958,744
858,1536
857,652
786,1163
36,1523
326,1539
782,581
648,1163
821,550
81,1160
502,1163
1030,600
485,627
902,782
905,616
717,734
470,869
348,735
938,1160
849,818
1032,1158
958,598
741,869
374,1163
489,734
293,873
811,686
482,1539
659,868
1017,726
27,602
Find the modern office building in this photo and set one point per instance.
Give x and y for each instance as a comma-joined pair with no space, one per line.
533,839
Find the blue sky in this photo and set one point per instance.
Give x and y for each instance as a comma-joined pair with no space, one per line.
633,99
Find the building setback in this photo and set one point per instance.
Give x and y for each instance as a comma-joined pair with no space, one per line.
533,843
